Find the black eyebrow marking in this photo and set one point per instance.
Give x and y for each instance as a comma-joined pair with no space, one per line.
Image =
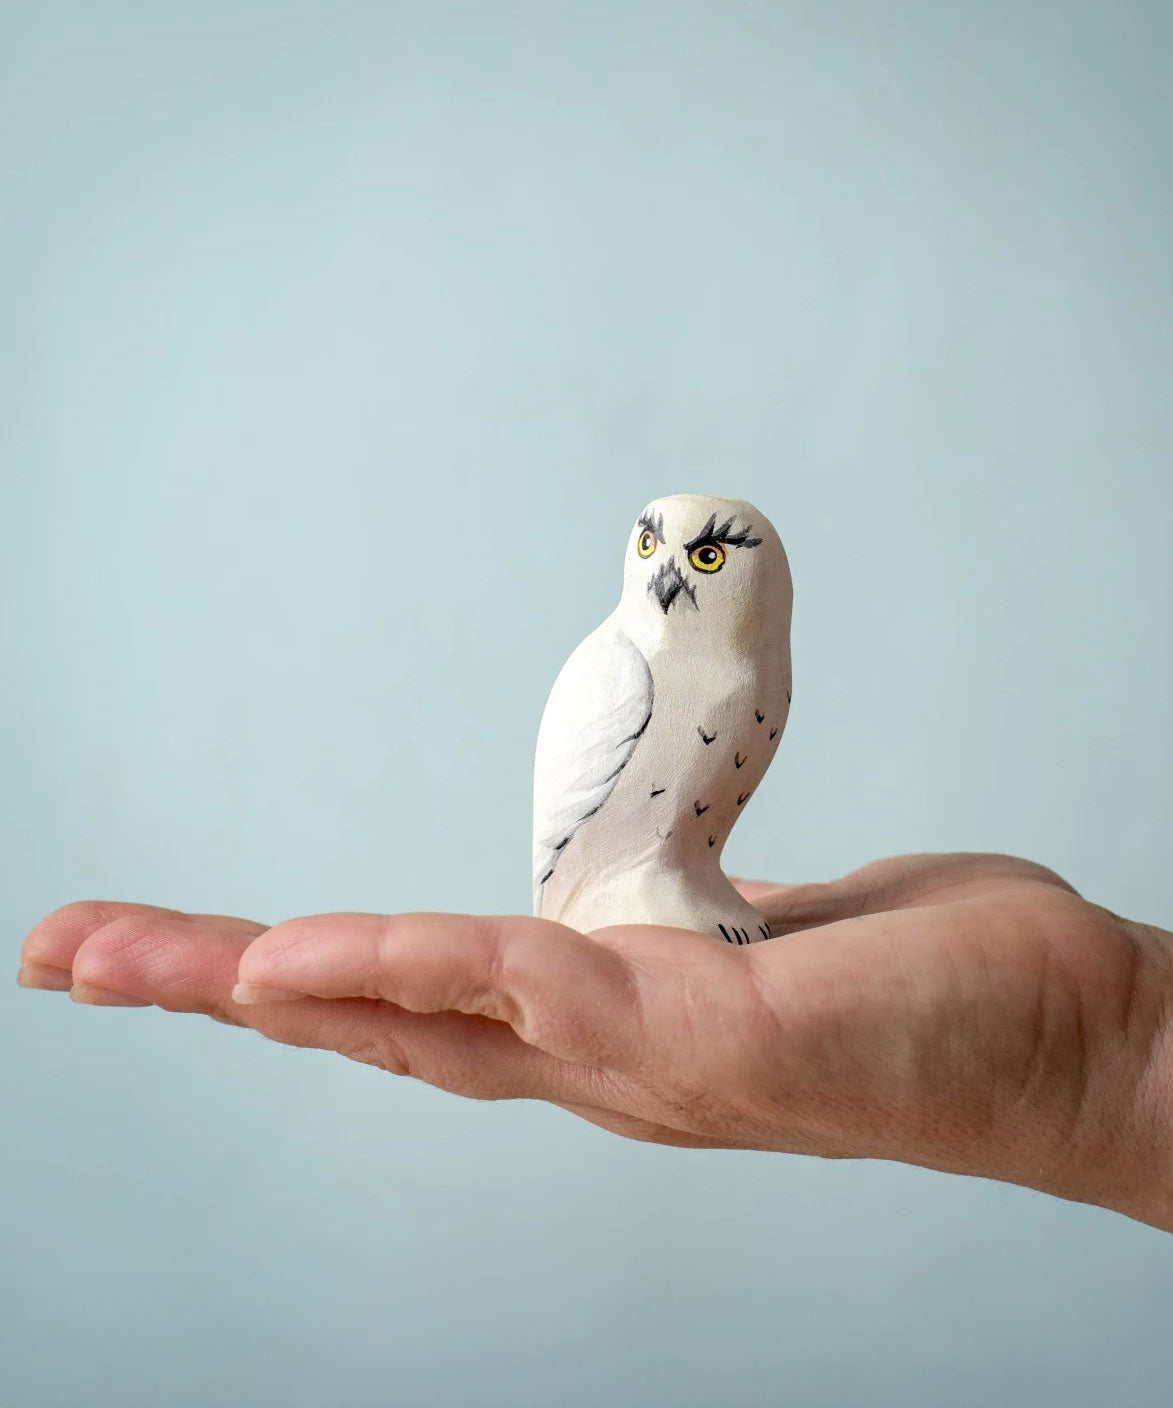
706,534
710,533
654,523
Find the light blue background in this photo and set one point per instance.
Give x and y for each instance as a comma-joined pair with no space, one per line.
340,346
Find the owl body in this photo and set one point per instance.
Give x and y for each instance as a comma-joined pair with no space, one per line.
661,724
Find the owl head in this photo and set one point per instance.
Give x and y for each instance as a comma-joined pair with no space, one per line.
706,567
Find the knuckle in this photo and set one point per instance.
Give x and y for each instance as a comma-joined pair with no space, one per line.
383,1053
280,940
79,918
693,1104
128,932
537,1025
500,1006
79,911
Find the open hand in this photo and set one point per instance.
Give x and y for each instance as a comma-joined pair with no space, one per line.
964,1012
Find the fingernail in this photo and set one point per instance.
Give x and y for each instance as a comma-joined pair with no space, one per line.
44,975
246,993
104,997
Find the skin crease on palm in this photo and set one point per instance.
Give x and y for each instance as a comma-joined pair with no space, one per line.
966,1012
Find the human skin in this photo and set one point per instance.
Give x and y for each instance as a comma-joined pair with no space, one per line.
965,1012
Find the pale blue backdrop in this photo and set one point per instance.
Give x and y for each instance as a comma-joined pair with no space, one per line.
340,345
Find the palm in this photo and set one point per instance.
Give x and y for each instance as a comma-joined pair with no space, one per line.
937,1009
905,994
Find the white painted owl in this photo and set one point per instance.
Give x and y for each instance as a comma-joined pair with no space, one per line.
662,723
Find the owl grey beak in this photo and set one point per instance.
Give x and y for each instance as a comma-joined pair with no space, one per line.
667,583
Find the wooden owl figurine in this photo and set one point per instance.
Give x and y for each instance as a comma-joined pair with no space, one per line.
662,723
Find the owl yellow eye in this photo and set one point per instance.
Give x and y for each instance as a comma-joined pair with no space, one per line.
647,543
709,557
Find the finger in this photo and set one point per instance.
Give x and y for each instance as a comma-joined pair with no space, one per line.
54,940
869,889
789,908
49,949
895,882
776,904
192,967
476,1057
558,989
180,962
753,890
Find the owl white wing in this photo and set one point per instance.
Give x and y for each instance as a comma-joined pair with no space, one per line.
598,708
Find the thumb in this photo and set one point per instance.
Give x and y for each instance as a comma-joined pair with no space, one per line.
788,909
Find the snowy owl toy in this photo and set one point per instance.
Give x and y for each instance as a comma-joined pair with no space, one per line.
662,723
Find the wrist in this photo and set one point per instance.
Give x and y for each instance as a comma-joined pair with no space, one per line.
1122,1139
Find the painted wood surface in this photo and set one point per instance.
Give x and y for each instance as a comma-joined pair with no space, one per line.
661,725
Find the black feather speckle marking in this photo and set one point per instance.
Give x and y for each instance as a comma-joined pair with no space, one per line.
712,840
738,759
655,792
547,875
706,738
724,935
700,811
741,797
788,696
773,733
562,843
758,716
765,928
